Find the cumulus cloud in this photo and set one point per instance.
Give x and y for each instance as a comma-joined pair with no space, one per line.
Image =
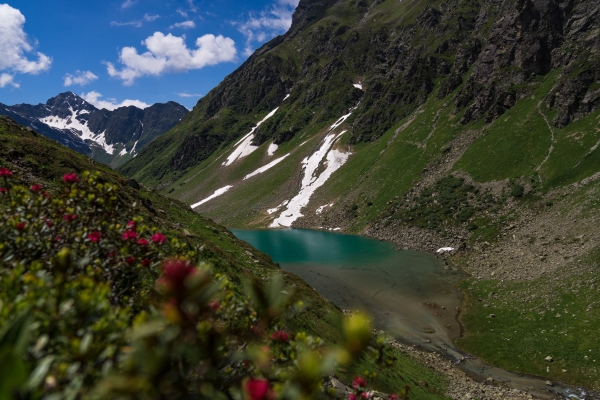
185,94
184,25
168,53
274,20
13,48
7,79
80,78
110,103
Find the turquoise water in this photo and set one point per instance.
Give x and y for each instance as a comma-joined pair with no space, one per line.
411,295
287,246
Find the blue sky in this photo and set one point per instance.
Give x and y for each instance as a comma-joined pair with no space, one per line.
124,52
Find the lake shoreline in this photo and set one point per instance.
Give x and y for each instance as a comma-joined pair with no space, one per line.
468,379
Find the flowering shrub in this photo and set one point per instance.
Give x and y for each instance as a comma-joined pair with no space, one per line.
94,303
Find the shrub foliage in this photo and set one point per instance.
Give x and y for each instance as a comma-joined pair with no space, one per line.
94,303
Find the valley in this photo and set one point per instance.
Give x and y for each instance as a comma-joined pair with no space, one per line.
433,162
463,124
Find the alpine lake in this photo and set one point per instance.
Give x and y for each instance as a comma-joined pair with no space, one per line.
410,295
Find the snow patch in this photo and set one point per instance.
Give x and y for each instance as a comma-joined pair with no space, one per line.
73,124
444,249
358,85
217,193
320,209
272,210
272,149
333,158
342,119
123,152
266,167
286,97
243,145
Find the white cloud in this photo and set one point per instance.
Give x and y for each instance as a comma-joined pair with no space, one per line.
13,46
150,18
185,94
184,25
93,98
168,53
138,22
7,79
273,21
80,78
193,7
128,3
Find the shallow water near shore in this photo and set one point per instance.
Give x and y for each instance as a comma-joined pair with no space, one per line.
411,295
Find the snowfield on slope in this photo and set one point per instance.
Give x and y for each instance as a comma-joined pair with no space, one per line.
266,167
334,159
217,193
244,146
272,149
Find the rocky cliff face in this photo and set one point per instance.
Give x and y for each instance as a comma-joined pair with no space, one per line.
533,38
108,136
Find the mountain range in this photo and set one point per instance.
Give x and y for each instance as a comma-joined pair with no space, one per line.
111,137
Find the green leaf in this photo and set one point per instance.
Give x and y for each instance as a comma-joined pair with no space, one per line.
15,336
40,372
13,343
85,343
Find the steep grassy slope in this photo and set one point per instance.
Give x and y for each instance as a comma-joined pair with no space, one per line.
420,75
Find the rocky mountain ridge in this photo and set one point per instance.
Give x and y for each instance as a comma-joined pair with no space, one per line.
109,136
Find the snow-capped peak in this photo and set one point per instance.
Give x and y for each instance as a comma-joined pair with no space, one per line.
81,128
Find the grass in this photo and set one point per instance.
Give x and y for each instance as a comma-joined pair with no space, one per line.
573,157
425,383
513,145
557,315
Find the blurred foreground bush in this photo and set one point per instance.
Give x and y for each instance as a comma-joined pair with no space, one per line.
96,304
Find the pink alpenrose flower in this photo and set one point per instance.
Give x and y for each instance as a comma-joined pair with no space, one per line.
5,172
175,272
94,236
158,238
258,389
359,382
